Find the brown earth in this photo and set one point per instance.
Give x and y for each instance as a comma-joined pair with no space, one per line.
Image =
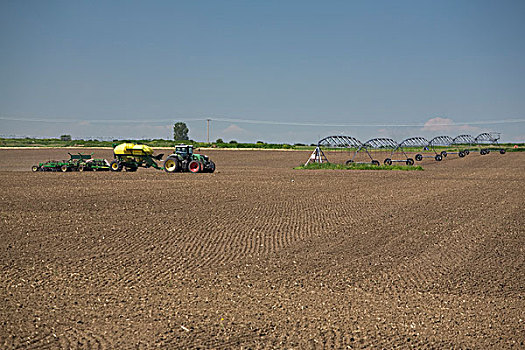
258,255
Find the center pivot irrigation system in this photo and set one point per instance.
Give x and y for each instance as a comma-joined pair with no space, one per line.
407,151
130,157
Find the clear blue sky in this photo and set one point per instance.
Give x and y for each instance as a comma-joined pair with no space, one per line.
107,65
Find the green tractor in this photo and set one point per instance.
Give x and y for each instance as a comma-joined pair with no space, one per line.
130,156
185,160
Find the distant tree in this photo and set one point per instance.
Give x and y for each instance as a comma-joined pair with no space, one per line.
180,131
233,142
261,142
65,137
219,141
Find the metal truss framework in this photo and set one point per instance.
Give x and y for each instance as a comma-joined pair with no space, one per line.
339,142
379,143
488,142
410,142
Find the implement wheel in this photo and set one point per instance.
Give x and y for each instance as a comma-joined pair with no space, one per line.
34,168
64,168
115,165
419,157
211,167
194,166
171,165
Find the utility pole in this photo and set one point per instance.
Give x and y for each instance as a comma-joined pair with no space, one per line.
208,129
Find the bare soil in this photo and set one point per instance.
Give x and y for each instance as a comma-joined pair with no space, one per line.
258,255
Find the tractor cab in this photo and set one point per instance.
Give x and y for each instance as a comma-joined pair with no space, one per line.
185,151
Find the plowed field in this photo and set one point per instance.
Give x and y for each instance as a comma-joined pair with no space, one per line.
258,255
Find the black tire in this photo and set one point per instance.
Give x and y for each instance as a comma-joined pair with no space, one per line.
376,163
487,151
410,161
461,154
387,161
482,152
443,154
131,169
467,152
115,165
172,165
64,168
349,161
438,157
502,151
35,168
419,157
81,168
211,167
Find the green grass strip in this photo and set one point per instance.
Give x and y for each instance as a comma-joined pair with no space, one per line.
332,166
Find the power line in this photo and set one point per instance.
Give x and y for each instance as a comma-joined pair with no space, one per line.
260,122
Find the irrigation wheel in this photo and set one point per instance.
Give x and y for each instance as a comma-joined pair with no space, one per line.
375,162
461,154
502,151
349,161
387,161
419,157
438,157
410,161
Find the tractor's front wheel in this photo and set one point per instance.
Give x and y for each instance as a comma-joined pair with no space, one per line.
172,165
115,165
194,166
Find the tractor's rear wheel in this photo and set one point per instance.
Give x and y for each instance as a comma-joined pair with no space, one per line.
64,168
419,157
194,166
172,165
115,165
